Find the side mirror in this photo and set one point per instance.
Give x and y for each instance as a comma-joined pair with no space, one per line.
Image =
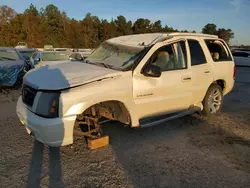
37,59
152,71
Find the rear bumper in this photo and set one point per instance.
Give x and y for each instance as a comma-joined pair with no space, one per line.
53,132
229,87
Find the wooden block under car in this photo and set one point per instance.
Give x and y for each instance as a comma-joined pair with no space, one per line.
94,143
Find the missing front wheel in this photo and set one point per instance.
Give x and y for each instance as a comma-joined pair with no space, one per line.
88,126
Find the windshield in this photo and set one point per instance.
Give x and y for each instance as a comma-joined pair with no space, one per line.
55,56
114,55
26,53
8,54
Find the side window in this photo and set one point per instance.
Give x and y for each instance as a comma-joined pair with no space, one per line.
196,52
170,57
218,51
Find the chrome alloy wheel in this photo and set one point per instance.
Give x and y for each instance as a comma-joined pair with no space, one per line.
214,100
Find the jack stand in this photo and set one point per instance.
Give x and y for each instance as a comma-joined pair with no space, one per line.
94,143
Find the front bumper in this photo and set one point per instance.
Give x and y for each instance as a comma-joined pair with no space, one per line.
51,131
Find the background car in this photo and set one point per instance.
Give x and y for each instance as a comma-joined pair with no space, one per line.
76,56
61,49
241,57
21,45
49,57
48,48
26,52
84,52
12,66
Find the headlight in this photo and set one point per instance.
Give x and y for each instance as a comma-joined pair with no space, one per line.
48,104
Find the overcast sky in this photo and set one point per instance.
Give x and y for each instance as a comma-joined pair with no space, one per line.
180,14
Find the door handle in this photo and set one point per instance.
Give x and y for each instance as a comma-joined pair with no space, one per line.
207,71
185,79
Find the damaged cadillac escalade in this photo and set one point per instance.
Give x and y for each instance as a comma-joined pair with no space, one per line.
131,79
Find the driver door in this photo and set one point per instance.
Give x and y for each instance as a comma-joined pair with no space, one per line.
172,91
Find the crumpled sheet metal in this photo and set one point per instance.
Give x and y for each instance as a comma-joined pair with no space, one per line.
9,72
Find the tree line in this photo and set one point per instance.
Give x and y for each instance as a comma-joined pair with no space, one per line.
54,27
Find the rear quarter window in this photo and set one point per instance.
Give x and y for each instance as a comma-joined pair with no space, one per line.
218,50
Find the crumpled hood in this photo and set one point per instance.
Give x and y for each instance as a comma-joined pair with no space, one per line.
66,75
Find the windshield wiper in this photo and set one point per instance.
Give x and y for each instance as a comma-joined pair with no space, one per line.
100,63
105,65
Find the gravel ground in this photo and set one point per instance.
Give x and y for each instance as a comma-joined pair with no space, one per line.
192,151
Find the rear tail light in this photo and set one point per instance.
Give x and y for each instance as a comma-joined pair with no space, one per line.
234,73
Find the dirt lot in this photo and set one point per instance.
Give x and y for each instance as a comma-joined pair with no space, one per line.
192,151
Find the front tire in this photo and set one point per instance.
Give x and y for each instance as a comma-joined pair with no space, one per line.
213,100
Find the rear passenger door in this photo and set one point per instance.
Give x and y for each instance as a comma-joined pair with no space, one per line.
202,75
221,62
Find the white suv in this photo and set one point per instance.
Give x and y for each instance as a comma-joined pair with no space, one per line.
139,80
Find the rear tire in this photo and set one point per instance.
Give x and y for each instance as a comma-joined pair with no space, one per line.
213,100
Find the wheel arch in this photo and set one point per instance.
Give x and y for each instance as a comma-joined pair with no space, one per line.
122,111
220,82
110,109
210,98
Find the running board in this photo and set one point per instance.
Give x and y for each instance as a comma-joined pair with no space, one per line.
181,114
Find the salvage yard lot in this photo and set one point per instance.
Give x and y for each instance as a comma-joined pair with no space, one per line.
192,151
